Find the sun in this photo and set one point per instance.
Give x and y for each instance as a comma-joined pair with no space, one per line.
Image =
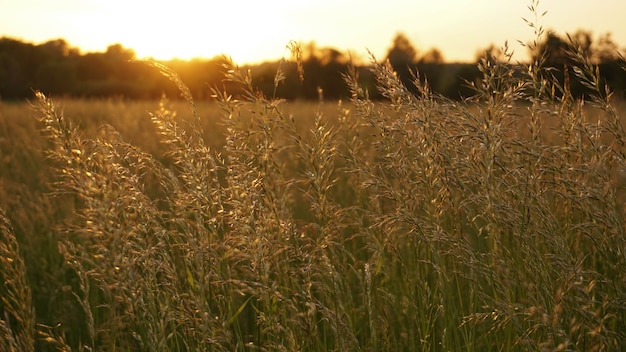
248,31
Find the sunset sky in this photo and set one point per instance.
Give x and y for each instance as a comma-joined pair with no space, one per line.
251,31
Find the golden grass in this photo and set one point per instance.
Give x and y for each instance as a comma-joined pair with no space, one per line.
417,223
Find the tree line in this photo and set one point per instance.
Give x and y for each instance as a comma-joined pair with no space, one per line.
58,69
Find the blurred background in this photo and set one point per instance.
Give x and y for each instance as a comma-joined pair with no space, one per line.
88,48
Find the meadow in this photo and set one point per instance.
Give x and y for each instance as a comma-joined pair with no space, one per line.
249,223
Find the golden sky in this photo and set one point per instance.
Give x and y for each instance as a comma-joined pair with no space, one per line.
251,31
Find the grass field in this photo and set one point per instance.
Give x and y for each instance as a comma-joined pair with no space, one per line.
415,223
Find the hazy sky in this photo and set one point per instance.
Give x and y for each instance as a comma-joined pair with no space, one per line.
255,30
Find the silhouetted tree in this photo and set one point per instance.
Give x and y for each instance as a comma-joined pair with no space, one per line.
93,66
402,56
332,64
492,53
558,51
582,41
19,63
432,56
323,68
554,50
58,48
605,50
455,83
402,53
118,53
56,73
562,54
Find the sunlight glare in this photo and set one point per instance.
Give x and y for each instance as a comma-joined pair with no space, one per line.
191,29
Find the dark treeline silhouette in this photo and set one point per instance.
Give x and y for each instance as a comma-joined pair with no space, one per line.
58,69
565,54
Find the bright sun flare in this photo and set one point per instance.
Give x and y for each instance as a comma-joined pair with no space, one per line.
187,29
251,31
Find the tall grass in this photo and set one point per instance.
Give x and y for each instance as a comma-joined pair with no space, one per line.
417,223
